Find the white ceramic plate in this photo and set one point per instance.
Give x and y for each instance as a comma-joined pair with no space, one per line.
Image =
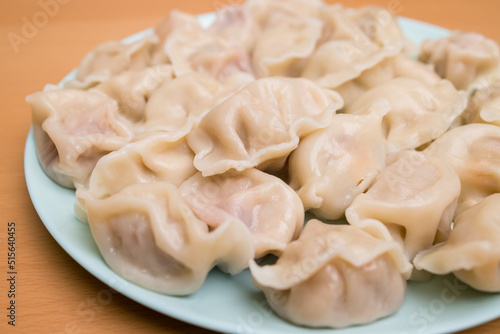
232,304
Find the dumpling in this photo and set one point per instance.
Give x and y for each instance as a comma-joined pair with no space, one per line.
484,105
334,276
406,66
352,42
473,151
260,124
464,58
152,159
413,198
282,50
219,50
414,105
270,209
194,49
112,58
331,166
132,89
472,251
290,31
236,25
339,61
148,235
178,105
176,20
273,12
367,48
398,66
222,63
364,25
380,26
73,129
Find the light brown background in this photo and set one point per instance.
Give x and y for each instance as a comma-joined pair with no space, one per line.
55,294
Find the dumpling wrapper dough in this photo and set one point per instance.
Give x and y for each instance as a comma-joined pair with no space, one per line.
484,105
283,49
111,58
334,276
466,59
260,125
472,252
413,198
178,105
414,105
270,209
353,42
148,235
73,129
331,166
132,89
191,48
473,151
269,13
398,66
152,159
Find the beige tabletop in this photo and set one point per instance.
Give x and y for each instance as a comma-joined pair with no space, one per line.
54,294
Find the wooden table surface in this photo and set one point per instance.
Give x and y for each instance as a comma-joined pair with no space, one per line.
54,294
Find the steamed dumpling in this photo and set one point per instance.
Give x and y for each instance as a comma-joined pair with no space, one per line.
270,209
484,105
178,105
147,234
133,89
380,26
472,252
260,124
176,20
414,199
353,42
288,35
473,151
282,49
333,165
398,66
272,12
464,58
414,105
191,48
218,61
73,129
236,25
152,159
112,58
334,276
